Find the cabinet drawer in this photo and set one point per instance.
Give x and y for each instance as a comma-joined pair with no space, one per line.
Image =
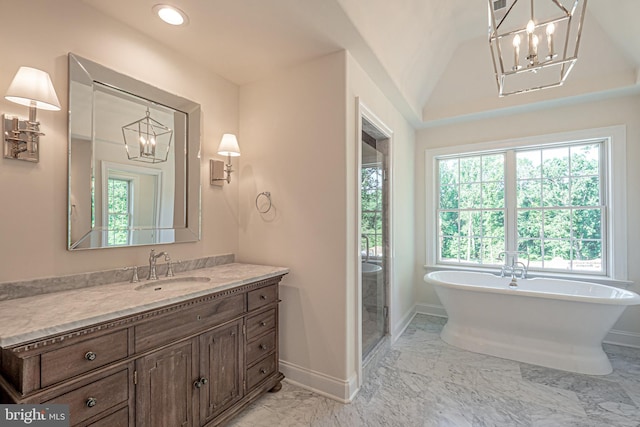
260,347
263,296
96,397
261,371
187,321
67,362
261,323
119,418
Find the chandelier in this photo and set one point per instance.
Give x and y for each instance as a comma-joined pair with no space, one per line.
147,140
534,48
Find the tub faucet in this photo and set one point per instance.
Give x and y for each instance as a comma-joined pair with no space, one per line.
505,270
366,239
522,270
516,268
153,256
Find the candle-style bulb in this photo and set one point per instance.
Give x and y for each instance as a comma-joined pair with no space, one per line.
531,26
516,40
533,43
516,52
551,28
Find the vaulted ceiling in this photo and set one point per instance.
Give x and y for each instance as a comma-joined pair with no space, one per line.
430,57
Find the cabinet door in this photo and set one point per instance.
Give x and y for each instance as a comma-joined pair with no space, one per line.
165,388
222,359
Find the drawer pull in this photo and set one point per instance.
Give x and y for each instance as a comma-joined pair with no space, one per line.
263,371
263,297
90,356
199,383
263,347
263,323
91,402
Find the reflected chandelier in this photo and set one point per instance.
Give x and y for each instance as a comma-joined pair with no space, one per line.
534,47
147,140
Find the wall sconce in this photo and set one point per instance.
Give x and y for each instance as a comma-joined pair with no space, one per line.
33,88
228,147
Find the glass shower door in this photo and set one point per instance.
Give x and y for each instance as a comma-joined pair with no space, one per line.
373,199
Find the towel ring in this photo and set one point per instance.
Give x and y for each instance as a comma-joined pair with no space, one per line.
266,194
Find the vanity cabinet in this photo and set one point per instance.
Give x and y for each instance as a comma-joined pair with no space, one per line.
197,362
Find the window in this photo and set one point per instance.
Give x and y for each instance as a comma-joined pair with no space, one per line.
560,198
559,216
471,209
119,211
372,209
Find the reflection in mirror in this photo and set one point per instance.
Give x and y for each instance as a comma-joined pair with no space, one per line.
133,161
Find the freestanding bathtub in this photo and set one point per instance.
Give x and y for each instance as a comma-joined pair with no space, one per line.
549,322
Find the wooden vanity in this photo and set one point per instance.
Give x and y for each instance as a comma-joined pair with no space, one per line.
197,362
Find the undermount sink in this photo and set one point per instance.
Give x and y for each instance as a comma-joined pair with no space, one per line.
171,284
370,269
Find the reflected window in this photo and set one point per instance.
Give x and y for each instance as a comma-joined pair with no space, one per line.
372,209
119,212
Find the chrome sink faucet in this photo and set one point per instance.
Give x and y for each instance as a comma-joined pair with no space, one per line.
153,256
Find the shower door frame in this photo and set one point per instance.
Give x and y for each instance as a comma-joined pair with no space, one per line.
364,113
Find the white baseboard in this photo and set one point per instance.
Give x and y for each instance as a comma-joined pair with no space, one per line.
431,309
623,338
402,325
323,384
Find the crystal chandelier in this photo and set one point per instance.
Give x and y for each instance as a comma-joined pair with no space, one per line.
147,140
534,47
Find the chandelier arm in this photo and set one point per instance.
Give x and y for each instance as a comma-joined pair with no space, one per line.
542,65
533,89
564,9
505,15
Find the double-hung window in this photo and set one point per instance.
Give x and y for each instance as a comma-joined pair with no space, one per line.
550,197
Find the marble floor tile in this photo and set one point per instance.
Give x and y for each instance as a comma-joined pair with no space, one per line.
422,381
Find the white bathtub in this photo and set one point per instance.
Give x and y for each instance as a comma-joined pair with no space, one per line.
549,322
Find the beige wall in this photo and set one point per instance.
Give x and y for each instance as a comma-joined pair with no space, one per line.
298,131
33,212
595,114
402,152
292,134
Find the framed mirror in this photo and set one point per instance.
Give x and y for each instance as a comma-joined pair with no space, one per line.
134,161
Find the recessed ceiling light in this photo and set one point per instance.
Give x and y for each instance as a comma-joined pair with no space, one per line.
171,14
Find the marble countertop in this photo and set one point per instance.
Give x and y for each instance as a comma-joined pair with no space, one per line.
27,319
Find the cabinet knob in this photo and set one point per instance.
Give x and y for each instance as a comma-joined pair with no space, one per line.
263,297
263,323
90,356
263,346
263,371
91,402
199,383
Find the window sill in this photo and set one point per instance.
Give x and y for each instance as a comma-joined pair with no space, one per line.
603,280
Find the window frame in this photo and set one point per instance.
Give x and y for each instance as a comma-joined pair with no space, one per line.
613,198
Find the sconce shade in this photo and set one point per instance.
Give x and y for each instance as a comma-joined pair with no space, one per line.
33,88
229,145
